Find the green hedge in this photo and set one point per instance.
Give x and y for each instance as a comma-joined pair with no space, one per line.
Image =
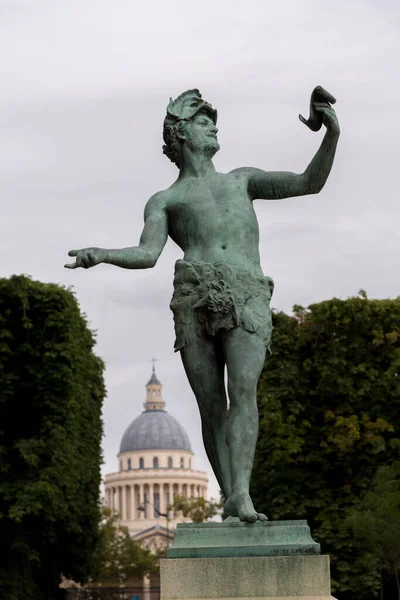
329,400
51,394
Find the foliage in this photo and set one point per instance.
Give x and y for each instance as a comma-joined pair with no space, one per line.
329,418
376,520
196,509
50,439
117,556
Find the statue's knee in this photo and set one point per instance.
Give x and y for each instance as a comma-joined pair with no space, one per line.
242,388
214,414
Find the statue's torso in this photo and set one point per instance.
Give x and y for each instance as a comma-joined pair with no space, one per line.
213,219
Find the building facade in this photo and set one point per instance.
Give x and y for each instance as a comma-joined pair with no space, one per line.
155,465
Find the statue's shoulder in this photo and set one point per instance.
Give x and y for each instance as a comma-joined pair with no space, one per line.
171,195
156,203
245,172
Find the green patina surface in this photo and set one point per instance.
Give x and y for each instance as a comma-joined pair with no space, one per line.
209,540
221,297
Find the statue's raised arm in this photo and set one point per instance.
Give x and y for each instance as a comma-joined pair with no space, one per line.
143,256
276,185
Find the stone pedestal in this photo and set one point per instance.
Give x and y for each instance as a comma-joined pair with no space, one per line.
246,578
232,561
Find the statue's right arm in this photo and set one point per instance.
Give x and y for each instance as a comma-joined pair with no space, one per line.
145,255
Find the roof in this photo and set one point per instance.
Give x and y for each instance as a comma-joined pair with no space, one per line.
153,379
155,430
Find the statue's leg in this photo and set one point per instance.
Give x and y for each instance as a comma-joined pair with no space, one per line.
204,365
245,356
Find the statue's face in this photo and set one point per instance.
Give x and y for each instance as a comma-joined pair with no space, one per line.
201,134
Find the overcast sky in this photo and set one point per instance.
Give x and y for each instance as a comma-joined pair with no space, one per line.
85,84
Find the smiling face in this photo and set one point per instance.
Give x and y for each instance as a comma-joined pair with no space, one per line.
200,134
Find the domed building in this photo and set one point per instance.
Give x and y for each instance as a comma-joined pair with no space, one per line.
155,465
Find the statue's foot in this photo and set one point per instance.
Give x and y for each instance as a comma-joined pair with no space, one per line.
262,517
232,520
240,505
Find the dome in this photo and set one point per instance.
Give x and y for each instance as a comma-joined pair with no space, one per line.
155,430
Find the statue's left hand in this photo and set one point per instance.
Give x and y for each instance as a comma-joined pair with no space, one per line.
86,258
330,119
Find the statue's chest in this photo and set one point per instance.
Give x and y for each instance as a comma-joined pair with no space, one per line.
209,200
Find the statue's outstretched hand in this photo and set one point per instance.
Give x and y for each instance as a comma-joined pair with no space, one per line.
87,257
330,119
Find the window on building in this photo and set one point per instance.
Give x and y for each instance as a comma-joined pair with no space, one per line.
129,464
182,462
141,463
190,463
155,462
169,462
120,465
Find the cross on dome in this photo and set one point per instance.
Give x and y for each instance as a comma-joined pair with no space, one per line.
153,379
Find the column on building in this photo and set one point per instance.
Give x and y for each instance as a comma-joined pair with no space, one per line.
146,588
123,502
133,502
128,502
116,499
166,496
141,494
150,505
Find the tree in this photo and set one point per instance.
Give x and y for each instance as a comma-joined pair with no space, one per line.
329,418
196,509
376,521
51,396
117,556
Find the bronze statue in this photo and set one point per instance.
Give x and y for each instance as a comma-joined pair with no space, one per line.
221,297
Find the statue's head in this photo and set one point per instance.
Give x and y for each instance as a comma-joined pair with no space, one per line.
190,120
